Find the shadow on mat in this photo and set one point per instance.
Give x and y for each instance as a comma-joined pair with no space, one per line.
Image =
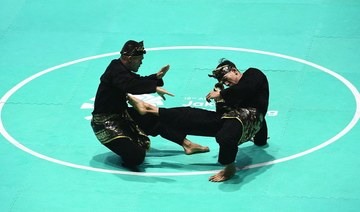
110,159
246,157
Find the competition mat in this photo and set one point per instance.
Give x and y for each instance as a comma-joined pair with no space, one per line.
53,53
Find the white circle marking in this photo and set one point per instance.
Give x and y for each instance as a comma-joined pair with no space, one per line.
348,127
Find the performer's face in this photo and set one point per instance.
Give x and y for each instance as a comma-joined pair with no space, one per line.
231,78
135,62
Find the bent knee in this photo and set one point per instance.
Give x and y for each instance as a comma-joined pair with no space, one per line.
133,159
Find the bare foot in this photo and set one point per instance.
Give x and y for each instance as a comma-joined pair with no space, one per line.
192,148
140,106
225,174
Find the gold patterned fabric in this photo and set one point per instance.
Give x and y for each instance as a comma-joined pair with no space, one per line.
108,127
250,120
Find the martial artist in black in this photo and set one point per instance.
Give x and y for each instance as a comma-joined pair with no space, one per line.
120,128
239,117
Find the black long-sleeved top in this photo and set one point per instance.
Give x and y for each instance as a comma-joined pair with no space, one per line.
252,90
116,82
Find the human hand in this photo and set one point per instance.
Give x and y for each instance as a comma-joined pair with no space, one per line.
213,95
161,92
160,74
218,87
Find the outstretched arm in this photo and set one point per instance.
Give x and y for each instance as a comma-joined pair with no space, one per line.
161,92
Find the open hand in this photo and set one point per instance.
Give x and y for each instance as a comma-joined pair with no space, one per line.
162,72
161,92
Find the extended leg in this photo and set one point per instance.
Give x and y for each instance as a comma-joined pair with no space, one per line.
151,124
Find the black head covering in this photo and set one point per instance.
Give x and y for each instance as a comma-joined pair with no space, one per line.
133,48
223,68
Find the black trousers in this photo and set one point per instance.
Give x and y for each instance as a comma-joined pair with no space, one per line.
195,121
260,139
175,123
151,125
130,152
